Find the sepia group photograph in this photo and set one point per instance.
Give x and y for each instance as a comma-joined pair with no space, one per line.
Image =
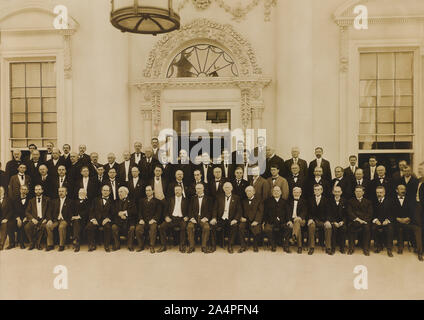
210,158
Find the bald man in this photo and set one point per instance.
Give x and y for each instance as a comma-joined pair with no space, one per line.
137,155
295,159
12,165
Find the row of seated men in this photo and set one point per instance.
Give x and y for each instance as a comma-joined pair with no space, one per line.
225,211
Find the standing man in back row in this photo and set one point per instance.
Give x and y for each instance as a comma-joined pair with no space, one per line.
320,162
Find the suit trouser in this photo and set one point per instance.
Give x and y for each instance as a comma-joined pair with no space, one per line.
270,232
140,230
401,227
312,232
61,225
34,232
8,230
296,230
3,234
91,233
256,230
125,228
379,233
76,230
176,222
227,228
356,227
339,235
205,233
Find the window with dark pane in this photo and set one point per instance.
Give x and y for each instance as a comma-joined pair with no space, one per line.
386,100
202,60
33,103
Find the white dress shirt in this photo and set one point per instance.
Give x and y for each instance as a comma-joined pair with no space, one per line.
62,201
200,199
39,207
127,169
21,181
294,213
225,216
85,183
177,208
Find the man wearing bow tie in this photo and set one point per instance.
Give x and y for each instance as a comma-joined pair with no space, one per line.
318,178
79,217
239,183
200,213
338,219
33,164
360,213
341,181
6,219
124,219
137,155
279,181
111,163
381,180
362,182
101,215
124,169
253,210
197,179
215,185
82,156
49,152
226,166
59,216
179,181
54,163
89,184
226,216
406,220
18,180
135,186
36,216
18,208
295,179
275,217
382,222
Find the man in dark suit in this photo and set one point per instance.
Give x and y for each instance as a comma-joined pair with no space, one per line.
274,217
18,209
320,162
101,215
199,214
185,166
79,217
215,186
237,156
253,210
111,163
13,165
297,212
114,184
262,187
381,180
82,156
226,216
319,218
3,178
147,165
155,148
361,181
149,214
295,179
18,180
205,167
61,181
48,155
277,180
124,169
318,178
65,157
36,217
45,180
59,216
197,179
89,184
135,186
137,155
341,181
54,163
409,181
226,165
370,169
258,154
349,172
6,219
94,164
33,164
239,184
303,165
178,181
124,219
338,218
398,174
176,215
168,169
360,213
272,160
74,170
100,179
406,220
382,222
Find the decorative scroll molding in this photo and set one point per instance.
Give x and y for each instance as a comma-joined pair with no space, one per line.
239,11
240,49
344,49
67,34
246,112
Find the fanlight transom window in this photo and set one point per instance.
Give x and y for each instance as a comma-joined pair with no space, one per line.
202,60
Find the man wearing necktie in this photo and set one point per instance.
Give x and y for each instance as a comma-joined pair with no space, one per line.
79,217
36,216
253,210
6,219
338,219
239,184
406,220
382,222
200,213
17,181
59,217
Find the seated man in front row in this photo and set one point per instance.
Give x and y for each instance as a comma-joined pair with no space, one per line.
226,215
253,210
200,213
297,211
175,216
101,215
382,222
274,217
360,213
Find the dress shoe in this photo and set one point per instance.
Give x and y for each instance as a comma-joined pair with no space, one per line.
182,249
230,249
107,249
91,248
287,249
77,248
333,251
328,251
366,253
61,248
205,250
22,246
299,250
242,249
131,249
162,249
273,249
152,250
191,250
420,257
342,250
48,248
31,247
350,252
255,249
11,246
140,249
377,250
212,249
39,247
1,248
311,251
400,251
389,253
